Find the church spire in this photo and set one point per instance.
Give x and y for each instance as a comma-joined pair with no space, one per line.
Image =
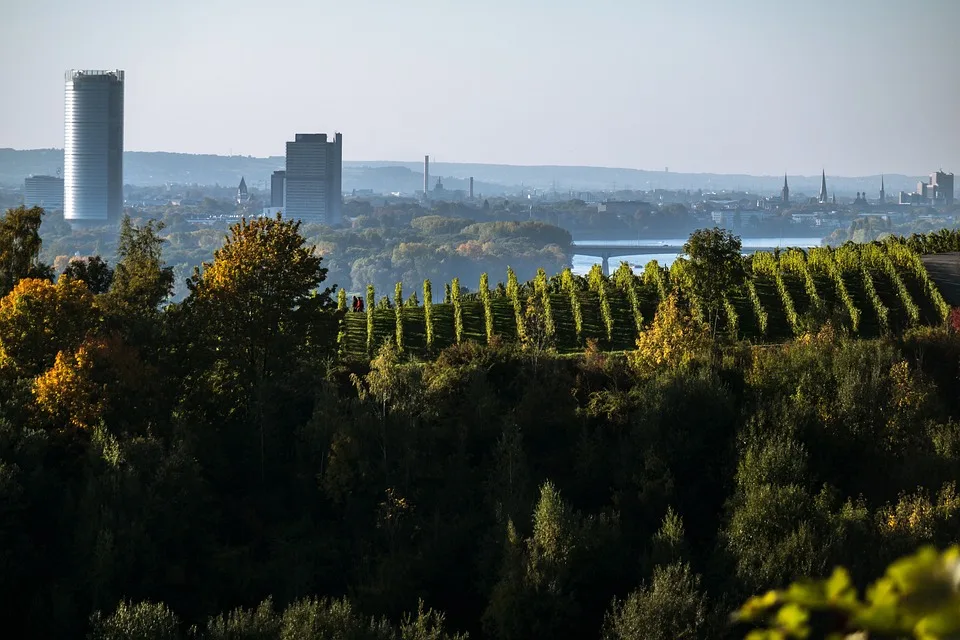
785,194
823,188
883,193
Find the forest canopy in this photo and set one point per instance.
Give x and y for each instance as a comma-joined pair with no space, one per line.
258,461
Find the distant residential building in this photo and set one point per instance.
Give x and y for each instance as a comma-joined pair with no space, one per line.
313,180
624,208
813,219
277,181
93,147
43,191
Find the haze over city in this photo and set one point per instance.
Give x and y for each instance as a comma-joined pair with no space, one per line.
730,87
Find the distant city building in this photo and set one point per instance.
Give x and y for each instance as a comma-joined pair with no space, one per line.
942,185
277,181
43,191
785,192
624,207
313,180
909,198
822,198
938,191
242,194
93,147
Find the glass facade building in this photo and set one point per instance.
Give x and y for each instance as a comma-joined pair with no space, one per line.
43,191
93,147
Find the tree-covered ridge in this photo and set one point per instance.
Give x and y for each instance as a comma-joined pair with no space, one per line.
213,469
868,290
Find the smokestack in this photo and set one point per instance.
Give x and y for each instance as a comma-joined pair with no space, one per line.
471,187
426,177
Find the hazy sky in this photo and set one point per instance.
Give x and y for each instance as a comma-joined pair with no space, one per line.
727,86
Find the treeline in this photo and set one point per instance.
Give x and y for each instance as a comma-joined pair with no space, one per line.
211,468
377,250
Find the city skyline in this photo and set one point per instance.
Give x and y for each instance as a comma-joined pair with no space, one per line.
694,86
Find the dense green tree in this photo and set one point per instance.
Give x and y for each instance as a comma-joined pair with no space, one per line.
141,282
20,247
671,607
715,267
141,621
256,320
92,271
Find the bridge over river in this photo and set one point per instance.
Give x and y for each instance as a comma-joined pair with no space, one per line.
613,249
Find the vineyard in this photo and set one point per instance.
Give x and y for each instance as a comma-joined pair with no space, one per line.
871,289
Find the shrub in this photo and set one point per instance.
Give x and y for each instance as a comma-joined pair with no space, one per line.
371,298
428,312
487,308
398,312
598,283
543,290
457,310
626,281
571,288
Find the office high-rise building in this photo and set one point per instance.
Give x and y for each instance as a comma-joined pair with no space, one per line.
43,191
313,178
939,191
942,187
93,147
277,181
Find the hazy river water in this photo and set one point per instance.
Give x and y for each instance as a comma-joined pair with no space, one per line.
582,264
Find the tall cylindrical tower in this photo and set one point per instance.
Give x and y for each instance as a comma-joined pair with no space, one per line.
93,147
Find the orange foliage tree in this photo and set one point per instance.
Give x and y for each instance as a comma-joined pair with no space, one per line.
103,379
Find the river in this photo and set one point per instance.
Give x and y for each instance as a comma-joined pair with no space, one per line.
581,264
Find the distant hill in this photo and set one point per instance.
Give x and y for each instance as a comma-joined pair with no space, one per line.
154,168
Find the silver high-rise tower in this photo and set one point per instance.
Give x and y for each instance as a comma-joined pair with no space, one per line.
313,183
93,147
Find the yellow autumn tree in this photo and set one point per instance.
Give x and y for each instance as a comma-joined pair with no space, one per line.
39,319
95,382
66,394
673,340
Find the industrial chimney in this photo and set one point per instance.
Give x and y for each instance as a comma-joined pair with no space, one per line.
426,177
471,187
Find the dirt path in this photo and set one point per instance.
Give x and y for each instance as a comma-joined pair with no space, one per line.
944,268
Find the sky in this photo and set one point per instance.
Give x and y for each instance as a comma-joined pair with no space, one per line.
857,87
